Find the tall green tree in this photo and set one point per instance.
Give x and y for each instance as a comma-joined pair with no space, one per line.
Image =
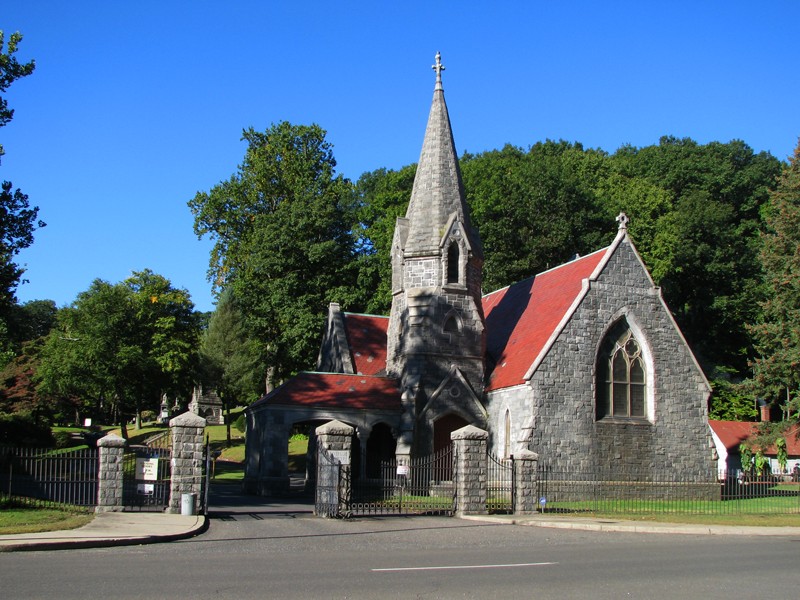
534,209
123,345
18,220
231,362
776,368
284,231
704,253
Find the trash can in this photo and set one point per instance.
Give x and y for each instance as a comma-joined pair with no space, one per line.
188,504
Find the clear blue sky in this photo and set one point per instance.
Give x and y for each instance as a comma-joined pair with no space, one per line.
136,106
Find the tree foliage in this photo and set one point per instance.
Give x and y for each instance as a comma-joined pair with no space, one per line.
18,220
121,346
283,227
10,70
705,251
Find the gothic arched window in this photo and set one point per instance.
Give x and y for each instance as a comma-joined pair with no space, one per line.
621,376
453,258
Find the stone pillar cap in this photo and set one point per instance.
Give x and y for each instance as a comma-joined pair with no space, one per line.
187,419
470,432
526,455
334,428
112,440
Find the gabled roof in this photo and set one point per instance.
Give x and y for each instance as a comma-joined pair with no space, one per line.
366,337
523,318
336,390
733,433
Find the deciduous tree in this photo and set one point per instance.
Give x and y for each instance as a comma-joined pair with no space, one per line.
18,220
123,345
284,232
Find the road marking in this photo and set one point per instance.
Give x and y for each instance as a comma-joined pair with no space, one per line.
442,568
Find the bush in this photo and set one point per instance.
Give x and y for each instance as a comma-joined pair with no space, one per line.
21,429
63,439
240,424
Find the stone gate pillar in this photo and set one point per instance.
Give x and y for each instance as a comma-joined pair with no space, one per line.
187,458
526,465
470,469
109,476
334,441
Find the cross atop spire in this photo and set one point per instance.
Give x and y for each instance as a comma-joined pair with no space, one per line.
438,67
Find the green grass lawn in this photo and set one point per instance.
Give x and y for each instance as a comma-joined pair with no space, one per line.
744,520
22,519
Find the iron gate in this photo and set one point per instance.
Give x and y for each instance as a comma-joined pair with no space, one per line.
146,478
329,470
421,486
501,485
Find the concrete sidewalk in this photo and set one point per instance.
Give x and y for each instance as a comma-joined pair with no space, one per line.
621,525
111,529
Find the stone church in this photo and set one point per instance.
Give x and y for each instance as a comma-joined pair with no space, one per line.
582,364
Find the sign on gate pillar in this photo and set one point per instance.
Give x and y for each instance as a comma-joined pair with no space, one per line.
146,470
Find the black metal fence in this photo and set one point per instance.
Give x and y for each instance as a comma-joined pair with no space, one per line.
500,485
610,492
422,485
49,476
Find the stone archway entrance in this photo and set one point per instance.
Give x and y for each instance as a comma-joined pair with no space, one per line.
443,427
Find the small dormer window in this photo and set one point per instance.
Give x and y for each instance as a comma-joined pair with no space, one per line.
453,260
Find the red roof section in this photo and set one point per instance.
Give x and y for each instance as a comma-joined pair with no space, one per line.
335,390
521,318
366,336
733,433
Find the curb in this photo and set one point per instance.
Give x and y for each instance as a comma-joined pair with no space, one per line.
108,542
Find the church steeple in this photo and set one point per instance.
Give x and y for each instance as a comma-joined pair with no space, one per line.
438,192
436,336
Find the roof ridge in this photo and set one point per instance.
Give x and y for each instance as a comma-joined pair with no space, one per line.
569,262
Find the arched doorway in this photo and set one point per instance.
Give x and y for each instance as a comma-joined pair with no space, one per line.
381,446
443,427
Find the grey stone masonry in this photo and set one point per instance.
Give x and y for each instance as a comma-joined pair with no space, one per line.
334,438
109,492
470,471
526,464
187,458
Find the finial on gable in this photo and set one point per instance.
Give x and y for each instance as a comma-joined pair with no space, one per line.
623,219
438,67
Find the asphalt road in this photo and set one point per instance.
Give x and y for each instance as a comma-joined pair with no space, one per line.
281,551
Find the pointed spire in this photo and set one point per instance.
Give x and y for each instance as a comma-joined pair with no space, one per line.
438,191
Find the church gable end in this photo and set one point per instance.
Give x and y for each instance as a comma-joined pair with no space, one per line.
665,426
